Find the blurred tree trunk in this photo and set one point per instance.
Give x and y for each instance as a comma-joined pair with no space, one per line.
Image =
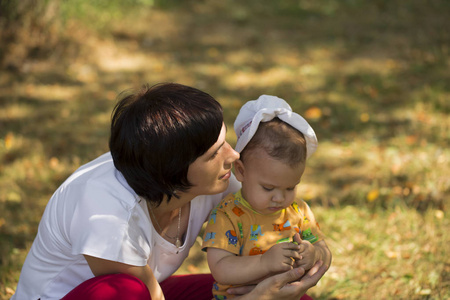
28,30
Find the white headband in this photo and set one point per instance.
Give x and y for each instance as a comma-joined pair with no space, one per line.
264,109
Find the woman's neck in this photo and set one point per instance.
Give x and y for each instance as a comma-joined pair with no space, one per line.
172,206
170,219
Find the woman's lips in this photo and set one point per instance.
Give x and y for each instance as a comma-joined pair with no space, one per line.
226,176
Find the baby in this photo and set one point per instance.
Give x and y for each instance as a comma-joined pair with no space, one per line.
263,229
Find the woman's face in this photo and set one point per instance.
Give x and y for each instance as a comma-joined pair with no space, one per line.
210,173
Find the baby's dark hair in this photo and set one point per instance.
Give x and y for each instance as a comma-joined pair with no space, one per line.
280,140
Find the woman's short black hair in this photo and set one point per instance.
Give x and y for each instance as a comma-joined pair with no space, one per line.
158,132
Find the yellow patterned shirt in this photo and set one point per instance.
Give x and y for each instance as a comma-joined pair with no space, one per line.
235,227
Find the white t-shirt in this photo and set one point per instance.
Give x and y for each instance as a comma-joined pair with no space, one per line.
95,212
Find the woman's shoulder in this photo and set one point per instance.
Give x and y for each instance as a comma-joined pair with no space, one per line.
98,185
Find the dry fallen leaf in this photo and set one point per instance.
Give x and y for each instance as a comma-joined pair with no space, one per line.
313,113
9,140
364,117
9,291
373,195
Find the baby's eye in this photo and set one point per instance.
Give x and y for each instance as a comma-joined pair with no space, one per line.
267,189
291,189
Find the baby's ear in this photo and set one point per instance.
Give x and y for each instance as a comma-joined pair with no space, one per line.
239,170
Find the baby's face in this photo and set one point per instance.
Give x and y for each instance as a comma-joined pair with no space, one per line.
268,185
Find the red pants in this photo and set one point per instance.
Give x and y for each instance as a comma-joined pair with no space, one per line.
122,286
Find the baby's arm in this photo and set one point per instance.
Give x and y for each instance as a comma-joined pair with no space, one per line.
228,268
311,253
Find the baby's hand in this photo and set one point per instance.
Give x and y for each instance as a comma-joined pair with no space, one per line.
308,254
280,257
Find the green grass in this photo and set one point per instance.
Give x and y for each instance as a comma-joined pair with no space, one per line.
385,254
371,77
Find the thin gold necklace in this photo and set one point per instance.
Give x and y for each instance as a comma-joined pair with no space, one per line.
177,238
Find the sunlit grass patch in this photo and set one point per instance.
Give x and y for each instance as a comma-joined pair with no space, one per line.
372,174
385,254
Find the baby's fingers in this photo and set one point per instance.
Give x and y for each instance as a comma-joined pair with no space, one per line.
291,246
295,255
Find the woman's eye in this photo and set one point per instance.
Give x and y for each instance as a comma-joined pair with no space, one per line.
214,155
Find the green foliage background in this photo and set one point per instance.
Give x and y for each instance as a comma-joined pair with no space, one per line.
372,78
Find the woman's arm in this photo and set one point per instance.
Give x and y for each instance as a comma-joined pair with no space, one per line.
228,268
287,285
144,273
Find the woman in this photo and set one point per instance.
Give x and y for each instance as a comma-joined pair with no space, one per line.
121,225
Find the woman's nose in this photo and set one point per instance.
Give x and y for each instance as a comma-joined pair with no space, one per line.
233,155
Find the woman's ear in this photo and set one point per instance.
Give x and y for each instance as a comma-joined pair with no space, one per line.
239,169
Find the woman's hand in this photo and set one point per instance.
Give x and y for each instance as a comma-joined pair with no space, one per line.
282,286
